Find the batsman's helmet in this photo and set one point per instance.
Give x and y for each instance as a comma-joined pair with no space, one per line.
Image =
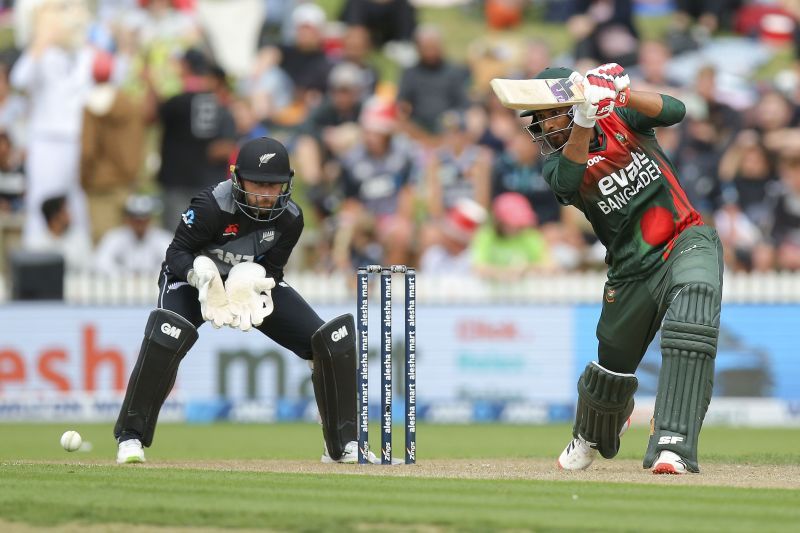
262,160
535,127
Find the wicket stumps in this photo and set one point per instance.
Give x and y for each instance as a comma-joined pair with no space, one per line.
410,369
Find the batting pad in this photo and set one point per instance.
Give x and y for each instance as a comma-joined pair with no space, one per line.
685,384
605,401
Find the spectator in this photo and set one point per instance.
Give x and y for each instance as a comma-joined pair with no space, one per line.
304,60
457,169
746,169
519,169
112,148
434,85
786,222
743,246
136,247
356,48
12,180
269,89
320,136
13,110
651,70
604,31
386,20
376,178
197,133
61,236
510,247
55,72
450,253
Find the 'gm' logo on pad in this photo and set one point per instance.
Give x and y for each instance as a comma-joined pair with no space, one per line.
337,335
170,330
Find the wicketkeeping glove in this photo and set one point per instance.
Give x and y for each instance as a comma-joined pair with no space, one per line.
205,277
599,94
248,291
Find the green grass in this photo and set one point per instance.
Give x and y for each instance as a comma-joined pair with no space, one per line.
302,441
74,490
342,503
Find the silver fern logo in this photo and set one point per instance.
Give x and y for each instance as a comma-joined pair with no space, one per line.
264,159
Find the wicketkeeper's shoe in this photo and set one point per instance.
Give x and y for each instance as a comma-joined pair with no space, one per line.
580,453
669,463
130,451
350,455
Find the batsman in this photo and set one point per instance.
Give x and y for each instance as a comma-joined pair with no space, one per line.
664,266
225,266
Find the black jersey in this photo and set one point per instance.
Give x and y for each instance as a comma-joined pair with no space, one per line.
214,226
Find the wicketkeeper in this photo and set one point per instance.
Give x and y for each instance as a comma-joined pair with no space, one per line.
665,266
225,266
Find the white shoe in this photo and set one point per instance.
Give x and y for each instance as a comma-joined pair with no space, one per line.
669,463
130,451
350,456
580,453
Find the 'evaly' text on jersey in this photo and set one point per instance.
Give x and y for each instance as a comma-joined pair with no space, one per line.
620,186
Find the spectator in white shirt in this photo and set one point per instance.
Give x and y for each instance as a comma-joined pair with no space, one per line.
136,247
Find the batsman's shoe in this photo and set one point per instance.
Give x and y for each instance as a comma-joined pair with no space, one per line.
130,451
580,454
669,463
350,455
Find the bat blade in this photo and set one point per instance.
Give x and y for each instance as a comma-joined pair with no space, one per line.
537,94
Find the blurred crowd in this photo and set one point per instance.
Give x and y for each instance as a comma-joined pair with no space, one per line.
114,113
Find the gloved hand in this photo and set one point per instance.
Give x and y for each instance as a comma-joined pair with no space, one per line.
205,277
248,291
599,94
620,79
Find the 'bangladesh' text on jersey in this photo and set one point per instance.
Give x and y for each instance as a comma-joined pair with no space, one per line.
628,190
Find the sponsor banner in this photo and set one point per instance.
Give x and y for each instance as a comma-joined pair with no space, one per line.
746,412
465,353
756,357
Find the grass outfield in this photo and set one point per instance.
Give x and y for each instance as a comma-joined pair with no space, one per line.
211,477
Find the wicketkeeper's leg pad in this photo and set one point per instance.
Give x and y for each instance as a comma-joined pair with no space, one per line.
605,401
167,338
688,348
334,378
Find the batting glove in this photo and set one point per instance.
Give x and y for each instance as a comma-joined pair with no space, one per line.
248,291
205,277
599,94
621,81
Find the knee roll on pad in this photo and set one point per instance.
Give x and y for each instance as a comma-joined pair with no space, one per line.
605,401
167,338
334,378
685,384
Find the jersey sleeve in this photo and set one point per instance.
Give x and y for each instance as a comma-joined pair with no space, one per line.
564,177
672,112
199,224
276,258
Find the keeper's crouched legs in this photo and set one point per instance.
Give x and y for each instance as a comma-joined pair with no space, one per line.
688,347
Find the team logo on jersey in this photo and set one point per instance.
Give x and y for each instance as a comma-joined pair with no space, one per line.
620,137
267,236
264,159
231,231
188,217
611,295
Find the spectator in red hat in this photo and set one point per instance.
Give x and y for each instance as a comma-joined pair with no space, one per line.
450,253
511,246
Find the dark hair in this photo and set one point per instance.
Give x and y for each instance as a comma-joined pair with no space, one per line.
52,206
196,61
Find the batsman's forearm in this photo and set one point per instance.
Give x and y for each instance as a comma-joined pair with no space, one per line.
665,109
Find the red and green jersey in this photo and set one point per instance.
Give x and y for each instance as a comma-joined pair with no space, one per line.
628,190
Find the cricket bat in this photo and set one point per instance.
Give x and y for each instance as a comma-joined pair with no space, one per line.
542,94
